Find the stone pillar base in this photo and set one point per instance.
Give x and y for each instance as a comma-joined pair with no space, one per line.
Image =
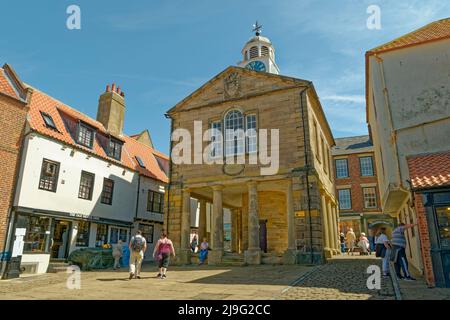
215,257
335,252
252,256
183,257
290,257
329,253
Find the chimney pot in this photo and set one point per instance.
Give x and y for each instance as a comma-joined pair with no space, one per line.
122,94
118,90
113,88
107,88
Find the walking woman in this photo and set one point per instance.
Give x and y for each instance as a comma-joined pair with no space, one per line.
163,249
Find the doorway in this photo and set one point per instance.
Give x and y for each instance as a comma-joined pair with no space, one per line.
60,239
263,235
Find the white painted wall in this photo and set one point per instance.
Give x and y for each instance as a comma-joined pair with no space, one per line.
418,90
42,261
66,196
147,184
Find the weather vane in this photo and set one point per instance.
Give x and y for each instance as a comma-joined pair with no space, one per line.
257,28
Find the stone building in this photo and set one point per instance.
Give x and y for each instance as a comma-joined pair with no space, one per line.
14,98
357,187
288,214
408,112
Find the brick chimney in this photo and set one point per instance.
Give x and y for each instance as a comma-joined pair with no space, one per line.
111,109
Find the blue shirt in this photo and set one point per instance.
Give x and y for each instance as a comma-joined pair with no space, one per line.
398,237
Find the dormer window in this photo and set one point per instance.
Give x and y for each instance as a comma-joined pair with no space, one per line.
140,162
85,135
115,149
49,123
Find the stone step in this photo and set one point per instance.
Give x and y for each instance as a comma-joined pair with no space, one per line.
57,266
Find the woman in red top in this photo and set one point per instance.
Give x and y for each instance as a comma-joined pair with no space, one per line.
163,249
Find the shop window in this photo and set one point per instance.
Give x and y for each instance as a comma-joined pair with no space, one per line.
118,233
147,232
49,175
102,235
83,230
443,219
37,233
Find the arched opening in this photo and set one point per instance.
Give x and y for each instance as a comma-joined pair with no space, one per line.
264,51
254,52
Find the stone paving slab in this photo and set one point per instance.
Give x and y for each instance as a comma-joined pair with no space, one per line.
236,283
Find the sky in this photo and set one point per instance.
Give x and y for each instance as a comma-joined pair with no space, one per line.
160,51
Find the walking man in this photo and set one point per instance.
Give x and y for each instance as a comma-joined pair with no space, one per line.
137,246
383,250
399,253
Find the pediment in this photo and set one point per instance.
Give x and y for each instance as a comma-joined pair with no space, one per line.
235,83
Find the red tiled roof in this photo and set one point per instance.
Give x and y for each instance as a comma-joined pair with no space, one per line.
66,119
429,170
6,86
434,31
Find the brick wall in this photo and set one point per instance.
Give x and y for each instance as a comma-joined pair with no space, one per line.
424,240
355,180
12,123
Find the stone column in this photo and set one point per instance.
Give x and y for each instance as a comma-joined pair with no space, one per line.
215,256
253,253
234,230
202,221
326,227
331,236
184,250
290,255
336,227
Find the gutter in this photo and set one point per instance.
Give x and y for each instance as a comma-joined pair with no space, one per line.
307,169
137,196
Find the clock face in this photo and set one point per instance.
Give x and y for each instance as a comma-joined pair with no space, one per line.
256,66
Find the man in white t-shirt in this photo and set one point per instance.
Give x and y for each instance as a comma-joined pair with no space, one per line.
137,246
382,240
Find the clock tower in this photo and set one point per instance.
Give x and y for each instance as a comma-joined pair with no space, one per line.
259,53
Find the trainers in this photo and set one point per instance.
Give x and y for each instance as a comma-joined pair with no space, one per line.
159,275
131,276
163,276
138,277
409,279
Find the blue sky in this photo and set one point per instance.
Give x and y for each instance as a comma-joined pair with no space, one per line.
161,51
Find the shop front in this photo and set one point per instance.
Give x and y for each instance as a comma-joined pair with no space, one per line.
52,236
437,209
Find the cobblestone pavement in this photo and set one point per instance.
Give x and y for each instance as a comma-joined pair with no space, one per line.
342,278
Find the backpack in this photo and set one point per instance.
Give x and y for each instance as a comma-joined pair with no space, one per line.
138,244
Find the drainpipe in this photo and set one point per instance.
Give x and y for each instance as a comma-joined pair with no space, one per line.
137,197
307,169
170,171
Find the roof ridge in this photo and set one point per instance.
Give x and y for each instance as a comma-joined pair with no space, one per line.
143,144
401,37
